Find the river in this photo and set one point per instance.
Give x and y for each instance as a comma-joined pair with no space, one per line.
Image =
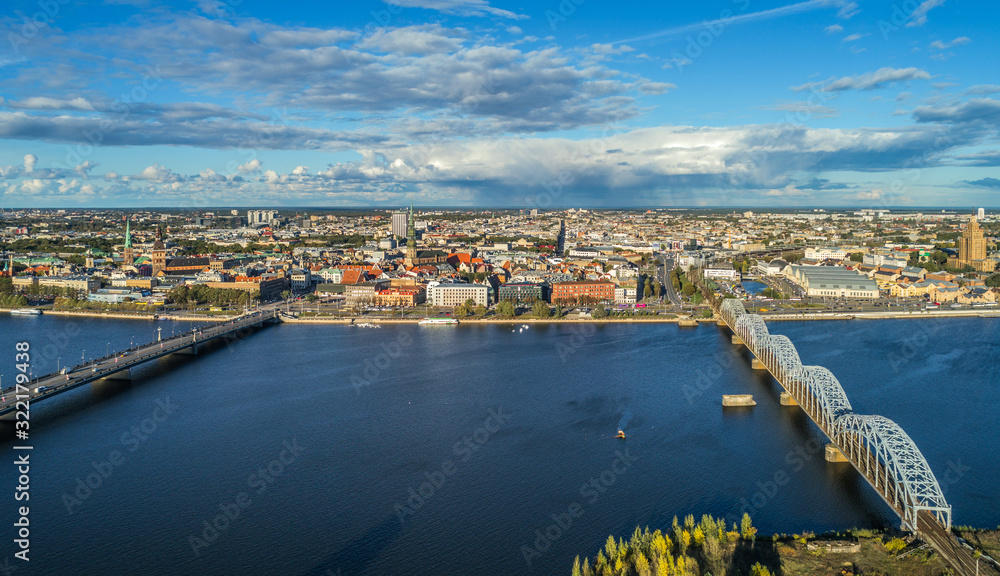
326,450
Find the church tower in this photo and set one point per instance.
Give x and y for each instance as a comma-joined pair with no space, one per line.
129,255
159,255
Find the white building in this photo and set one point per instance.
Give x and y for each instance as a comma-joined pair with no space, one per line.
825,254
260,217
455,294
625,295
399,222
730,274
981,214
301,279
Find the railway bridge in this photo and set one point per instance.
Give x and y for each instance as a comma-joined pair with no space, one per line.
878,448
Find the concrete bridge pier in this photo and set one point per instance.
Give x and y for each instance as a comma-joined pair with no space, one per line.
721,323
787,400
189,351
757,365
833,454
737,339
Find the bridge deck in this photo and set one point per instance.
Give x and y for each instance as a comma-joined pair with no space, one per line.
103,367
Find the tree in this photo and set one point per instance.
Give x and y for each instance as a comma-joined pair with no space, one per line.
559,311
747,531
993,281
540,309
505,309
857,257
647,290
599,312
480,310
462,310
312,298
759,569
688,290
286,294
657,288
894,545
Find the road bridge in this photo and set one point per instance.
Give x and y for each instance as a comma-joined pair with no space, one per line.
878,448
115,365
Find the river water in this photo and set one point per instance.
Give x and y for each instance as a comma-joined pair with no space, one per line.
325,450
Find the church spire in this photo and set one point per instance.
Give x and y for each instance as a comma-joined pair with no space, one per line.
411,238
128,234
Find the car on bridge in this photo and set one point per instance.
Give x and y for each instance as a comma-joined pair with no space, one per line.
42,389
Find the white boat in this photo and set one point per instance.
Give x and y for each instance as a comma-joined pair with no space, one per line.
26,311
438,321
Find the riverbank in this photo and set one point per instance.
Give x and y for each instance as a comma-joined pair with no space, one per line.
777,316
703,548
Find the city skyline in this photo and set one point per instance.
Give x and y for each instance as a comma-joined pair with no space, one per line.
475,103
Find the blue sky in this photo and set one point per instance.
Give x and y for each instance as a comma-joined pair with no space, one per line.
491,103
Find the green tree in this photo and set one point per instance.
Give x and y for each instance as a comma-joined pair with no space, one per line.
599,312
312,298
286,294
747,531
505,309
480,310
894,545
857,257
559,311
540,309
759,569
993,281
647,290
657,288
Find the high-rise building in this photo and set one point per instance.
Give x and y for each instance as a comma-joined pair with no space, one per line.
411,240
260,217
981,214
972,249
399,220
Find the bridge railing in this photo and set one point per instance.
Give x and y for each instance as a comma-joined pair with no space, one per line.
899,471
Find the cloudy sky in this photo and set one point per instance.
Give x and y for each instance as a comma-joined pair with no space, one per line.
499,103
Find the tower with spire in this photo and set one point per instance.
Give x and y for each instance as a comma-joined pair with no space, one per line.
411,239
159,255
128,253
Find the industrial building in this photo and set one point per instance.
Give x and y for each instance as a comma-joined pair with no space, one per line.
832,281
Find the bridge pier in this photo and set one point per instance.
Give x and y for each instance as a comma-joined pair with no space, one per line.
737,340
833,454
189,351
721,323
757,365
787,400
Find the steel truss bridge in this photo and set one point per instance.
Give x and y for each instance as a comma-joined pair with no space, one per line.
876,446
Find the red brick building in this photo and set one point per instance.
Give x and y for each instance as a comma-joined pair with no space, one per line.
564,292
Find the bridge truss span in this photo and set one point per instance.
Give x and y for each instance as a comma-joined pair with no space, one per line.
876,446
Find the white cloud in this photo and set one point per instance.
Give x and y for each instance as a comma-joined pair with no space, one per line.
459,7
29,162
848,10
300,170
867,81
158,173
854,37
251,167
939,45
84,168
833,29
919,16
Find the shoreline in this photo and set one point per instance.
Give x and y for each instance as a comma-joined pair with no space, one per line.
767,316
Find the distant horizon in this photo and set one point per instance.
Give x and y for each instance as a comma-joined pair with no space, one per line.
509,208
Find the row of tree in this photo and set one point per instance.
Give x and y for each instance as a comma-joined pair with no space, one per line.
687,549
200,294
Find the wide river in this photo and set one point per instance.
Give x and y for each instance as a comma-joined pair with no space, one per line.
334,450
